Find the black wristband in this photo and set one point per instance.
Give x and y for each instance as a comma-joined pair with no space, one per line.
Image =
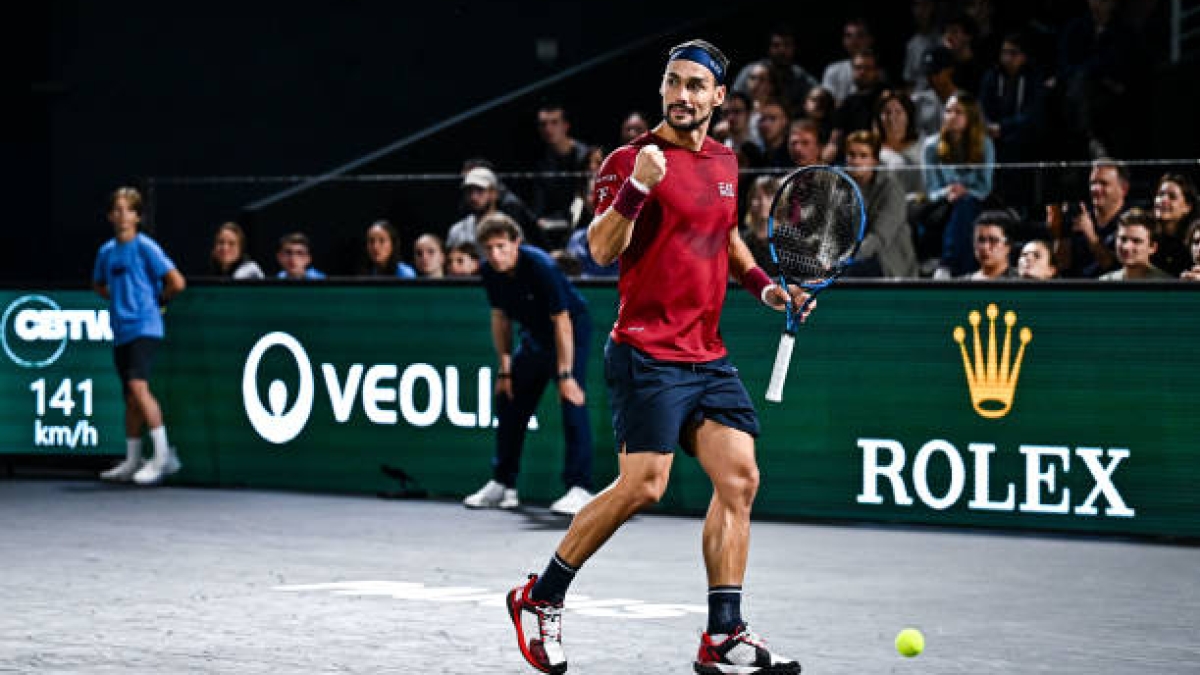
565,375
503,375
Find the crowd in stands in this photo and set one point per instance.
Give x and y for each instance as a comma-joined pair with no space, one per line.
922,137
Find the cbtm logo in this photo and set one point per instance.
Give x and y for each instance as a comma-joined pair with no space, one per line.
387,393
992,371
35,330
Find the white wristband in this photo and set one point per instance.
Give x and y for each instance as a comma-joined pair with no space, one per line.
763,296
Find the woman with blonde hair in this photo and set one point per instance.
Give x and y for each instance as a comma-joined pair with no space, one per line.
959,161
754,225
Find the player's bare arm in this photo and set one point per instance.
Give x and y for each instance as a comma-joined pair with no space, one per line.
741,261
502,341
610,233
564,343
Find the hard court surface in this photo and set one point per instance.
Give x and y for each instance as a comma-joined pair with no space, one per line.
103,579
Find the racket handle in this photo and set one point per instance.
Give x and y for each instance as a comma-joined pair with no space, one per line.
783,358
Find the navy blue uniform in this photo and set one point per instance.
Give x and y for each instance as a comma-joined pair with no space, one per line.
534,291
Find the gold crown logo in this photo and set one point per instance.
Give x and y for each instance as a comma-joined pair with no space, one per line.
992,381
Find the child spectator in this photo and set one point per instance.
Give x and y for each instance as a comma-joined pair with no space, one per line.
295,258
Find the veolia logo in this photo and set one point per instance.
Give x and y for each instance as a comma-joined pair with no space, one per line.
35,330
272,422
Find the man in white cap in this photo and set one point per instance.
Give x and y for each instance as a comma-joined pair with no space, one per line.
479,192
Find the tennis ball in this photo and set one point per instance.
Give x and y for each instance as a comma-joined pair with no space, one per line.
910,642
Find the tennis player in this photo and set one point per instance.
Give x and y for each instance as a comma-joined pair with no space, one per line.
667,209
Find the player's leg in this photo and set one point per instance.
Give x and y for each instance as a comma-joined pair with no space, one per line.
531,371
727,456
723,443
536,607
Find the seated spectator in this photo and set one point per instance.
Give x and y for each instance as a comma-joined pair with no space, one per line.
901,146
229,258
839,75
734,129
1036,261
1085,238
634,125
295,257
993,247
794,82
509,203
1137,241
1098,64
754,226
429,257
819,107
1011,95
556,192
1175,210
925,36
773,120
582,263
1193,240
383,253
958,178
463,260
857,111
887,249
481,194
803,145
929,104
958,35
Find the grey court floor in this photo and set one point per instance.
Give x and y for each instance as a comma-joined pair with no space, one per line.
101,579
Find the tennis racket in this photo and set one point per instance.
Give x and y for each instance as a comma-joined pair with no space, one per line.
816,226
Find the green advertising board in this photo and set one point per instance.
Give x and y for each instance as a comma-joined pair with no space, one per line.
1057,407
58,393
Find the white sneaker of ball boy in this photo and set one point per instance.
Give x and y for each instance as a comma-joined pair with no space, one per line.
163,463
496,495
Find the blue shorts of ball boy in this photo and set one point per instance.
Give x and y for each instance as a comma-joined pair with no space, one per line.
656,403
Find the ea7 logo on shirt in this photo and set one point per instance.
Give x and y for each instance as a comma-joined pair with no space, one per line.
726,190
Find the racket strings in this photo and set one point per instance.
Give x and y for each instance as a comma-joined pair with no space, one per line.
816,221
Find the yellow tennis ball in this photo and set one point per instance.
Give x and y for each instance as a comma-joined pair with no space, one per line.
910,642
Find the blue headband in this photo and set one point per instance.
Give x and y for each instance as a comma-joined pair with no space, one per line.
702,57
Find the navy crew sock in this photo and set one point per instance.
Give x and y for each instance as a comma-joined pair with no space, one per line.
552,585
724,609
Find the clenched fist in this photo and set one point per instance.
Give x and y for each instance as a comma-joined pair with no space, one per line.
650,166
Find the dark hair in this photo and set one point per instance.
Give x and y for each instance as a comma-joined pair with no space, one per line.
1018,39
1115,164
1139,217
497,224
554,106
1186,186
1001,218
910,129
782,30
295,238
741,96
708,48
963,21
388,268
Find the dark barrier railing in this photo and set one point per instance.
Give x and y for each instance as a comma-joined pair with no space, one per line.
1077,412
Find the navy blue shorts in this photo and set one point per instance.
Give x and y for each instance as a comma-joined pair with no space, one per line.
135,359
655,403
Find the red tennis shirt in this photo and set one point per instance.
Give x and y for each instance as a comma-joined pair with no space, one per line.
676,268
